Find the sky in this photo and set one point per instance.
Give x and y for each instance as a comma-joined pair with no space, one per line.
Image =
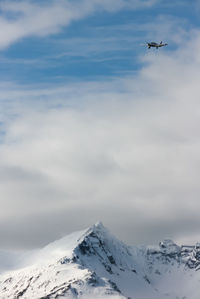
94,126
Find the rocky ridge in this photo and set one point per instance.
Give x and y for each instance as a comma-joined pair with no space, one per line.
95,263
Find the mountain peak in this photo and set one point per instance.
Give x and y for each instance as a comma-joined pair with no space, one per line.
66,246
94,263
168,246
97,228
98,225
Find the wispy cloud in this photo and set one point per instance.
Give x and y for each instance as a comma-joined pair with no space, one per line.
27,18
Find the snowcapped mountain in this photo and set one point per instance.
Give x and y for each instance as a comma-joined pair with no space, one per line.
94,264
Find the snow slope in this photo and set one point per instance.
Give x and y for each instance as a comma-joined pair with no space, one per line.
94,264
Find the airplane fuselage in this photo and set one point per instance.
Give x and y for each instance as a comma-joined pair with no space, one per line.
155,45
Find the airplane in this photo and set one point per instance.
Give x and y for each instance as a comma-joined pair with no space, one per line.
156,45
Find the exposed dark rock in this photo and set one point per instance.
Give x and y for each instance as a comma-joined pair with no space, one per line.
114,286
65,260
111,259
147,279
93,280
20,294
84,248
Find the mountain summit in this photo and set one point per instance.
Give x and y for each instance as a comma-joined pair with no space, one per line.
95,264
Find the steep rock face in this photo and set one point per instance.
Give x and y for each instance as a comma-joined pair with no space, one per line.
191,256
100,245
170,253
94,264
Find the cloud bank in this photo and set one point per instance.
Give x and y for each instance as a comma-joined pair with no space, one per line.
124,151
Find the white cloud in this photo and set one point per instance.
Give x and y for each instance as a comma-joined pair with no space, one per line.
125,151
27,18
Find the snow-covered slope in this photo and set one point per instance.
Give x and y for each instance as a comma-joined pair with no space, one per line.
94,264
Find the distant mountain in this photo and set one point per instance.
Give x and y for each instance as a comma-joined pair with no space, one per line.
94,264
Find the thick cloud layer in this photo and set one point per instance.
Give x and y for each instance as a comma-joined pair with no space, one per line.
124,151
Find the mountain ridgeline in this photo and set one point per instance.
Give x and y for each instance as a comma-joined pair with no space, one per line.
95,264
